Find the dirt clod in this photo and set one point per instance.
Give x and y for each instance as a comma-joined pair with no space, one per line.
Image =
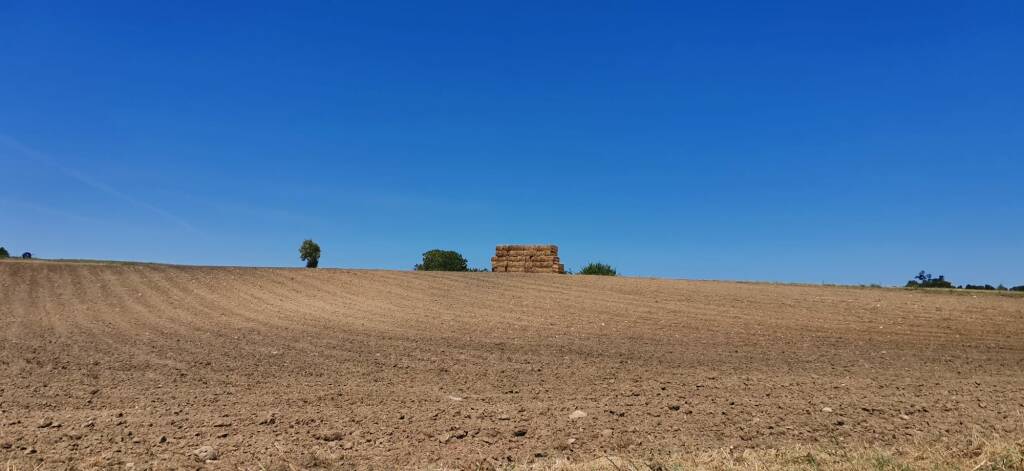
329,435
206,453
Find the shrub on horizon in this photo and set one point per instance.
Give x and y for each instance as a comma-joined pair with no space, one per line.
309,252
598,268
925,280
442,260
4,253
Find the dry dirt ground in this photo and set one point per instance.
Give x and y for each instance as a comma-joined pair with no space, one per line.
133,365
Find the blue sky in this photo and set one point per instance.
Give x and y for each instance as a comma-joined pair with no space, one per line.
848,142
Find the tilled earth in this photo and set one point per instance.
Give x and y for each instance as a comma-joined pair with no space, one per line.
133,365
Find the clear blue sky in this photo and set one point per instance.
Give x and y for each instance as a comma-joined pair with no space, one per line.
851,142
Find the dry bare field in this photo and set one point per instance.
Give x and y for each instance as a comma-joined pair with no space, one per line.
131,365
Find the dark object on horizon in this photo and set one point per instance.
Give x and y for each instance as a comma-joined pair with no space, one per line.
26,255
442,260
925,280
1017,288
309,252
981,287
4,253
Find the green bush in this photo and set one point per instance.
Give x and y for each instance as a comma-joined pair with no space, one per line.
442,260
598,269
4,253
309,252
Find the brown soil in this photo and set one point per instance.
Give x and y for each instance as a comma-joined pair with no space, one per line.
109,364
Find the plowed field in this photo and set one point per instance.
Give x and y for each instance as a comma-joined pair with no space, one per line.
103,365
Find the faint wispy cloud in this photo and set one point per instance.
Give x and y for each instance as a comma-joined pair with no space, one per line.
91,182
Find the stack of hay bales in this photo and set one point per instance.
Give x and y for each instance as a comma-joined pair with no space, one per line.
526,259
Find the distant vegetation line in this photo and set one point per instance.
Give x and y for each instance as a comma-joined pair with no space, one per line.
450,260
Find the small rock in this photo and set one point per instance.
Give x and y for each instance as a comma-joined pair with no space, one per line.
206,453
504,417
606,432
163,439
455,398
578,414
519,432
827,410
674,407
74,435
347,445
444,437
222,423
30,451
460,434
44,423
904,416
570,441
222,435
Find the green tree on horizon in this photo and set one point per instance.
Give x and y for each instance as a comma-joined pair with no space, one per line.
442,260
309,252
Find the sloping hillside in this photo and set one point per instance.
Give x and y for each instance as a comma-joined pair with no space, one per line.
107,364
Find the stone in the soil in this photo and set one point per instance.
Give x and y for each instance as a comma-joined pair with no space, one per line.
827,410
578,414
163,439
459,434
347,445
519,432
44,423
904,416
206,453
